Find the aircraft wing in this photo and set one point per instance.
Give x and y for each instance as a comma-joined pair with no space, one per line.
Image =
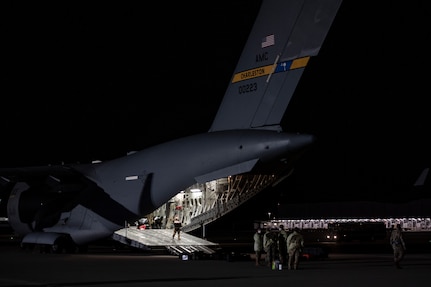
36,173
54,179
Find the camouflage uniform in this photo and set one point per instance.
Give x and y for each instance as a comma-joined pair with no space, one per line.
295,242
258,245
269,245
282,247
398,246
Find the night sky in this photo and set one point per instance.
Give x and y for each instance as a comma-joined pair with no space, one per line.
85,81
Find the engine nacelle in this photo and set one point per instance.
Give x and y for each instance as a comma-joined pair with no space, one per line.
15,221
31,209
52,216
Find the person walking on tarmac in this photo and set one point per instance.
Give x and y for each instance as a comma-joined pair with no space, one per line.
258,245
294,243
398,246
269,246
281,244
177,227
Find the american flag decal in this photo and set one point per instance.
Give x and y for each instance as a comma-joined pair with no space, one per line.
268,41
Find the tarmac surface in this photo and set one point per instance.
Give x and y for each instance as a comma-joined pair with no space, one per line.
103,266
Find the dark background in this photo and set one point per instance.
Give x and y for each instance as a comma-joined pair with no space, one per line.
94,80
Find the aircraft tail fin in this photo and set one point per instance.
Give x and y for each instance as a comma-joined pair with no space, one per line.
283,38
420,181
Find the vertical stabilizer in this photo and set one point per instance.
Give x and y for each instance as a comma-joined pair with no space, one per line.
283,38
422,177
